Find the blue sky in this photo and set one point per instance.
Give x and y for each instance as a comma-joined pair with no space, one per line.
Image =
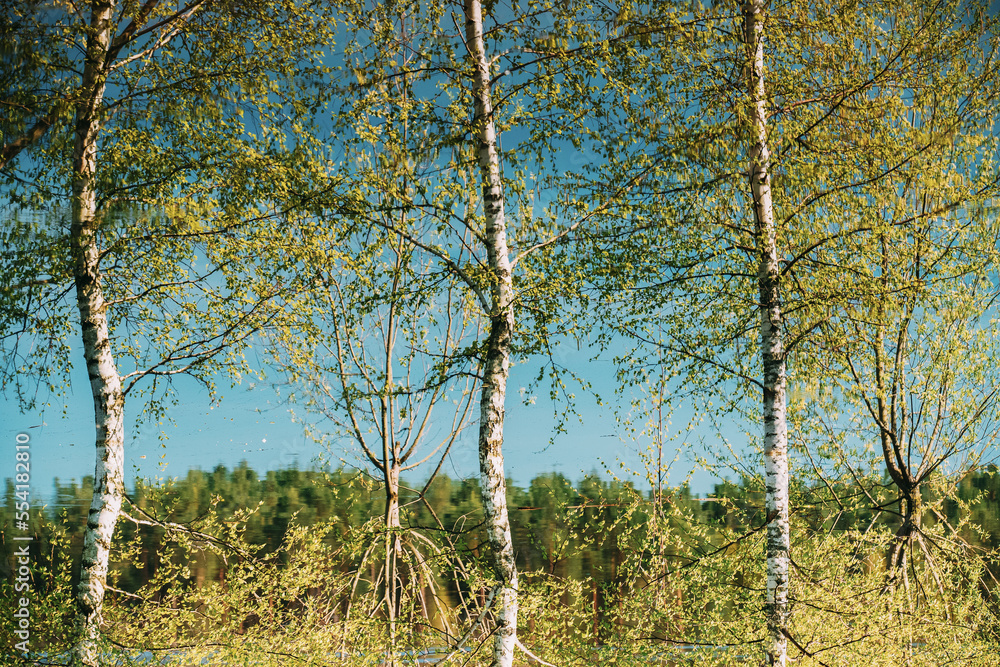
251,424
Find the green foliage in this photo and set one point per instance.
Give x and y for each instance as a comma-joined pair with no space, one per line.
186,136
255,569
52,560
303,170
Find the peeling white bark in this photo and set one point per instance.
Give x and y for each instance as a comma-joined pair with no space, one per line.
105,382
772,344
496,363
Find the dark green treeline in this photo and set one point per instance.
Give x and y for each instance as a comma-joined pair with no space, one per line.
582,532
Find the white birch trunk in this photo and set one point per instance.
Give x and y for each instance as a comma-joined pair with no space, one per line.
772,344
497,357
105,382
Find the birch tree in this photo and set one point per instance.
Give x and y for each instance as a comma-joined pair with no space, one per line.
105,380
908,366
382,360
771,341
132,82
487,233
477,256
496,357
819,101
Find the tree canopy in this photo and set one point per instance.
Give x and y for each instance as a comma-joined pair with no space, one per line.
783,213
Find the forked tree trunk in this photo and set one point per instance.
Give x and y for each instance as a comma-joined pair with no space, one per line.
105,382
772,344
907,534
887,396
497,354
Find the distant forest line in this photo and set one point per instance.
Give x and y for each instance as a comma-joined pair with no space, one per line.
569,530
